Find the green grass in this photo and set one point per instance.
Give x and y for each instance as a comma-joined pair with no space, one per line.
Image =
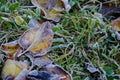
81,36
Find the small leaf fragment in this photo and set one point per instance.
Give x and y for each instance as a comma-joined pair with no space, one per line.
115,24
117,35
13,68
19,20
37,40
94,71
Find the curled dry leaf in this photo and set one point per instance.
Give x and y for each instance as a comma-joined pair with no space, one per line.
54,69
13,68
11,49
37,40
52,8
115,24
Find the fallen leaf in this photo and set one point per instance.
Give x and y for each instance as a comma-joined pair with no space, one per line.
13,68
10,77
41,75
34,23
115,24
22,75
37,40
53,15
55,69
11,49
94,71
117,35
42,61
39,61
52,8
110,9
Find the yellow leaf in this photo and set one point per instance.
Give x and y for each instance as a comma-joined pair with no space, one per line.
53,15
37,40
13,68
19,20
11,49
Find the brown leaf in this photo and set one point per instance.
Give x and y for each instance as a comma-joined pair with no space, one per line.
11,49
110,9
54,69
52,8
37,40
115,24
41,75
13,68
